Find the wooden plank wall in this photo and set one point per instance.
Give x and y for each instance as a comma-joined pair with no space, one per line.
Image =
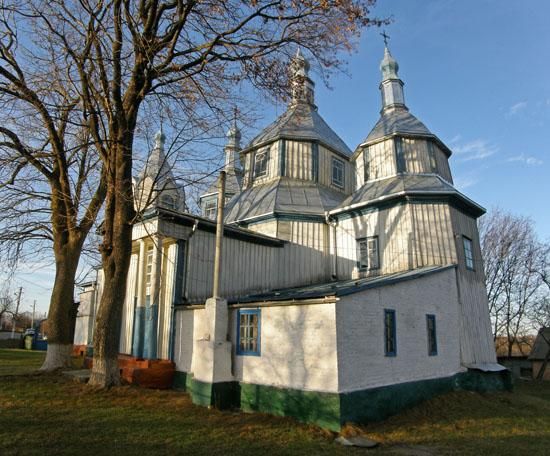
325,171
298,160
442,164
127,323
409,236
416,155
169,254
248,268
381,159
475,324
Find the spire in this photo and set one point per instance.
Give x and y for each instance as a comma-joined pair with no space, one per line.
303,88
391,86
233,144
160,138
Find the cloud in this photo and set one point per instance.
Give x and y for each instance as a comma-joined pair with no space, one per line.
515,108
528,160
478,149
464,182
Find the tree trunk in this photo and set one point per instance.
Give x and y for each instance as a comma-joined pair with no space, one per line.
61,312
116,251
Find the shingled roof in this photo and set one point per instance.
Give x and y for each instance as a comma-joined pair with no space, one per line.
282,196
302,122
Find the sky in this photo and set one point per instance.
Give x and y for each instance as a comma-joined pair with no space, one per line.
476,73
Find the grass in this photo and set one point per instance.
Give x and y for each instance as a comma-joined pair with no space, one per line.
47,414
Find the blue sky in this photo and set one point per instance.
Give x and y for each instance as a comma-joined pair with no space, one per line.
476,72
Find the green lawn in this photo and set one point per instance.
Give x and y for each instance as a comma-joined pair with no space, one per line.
46,414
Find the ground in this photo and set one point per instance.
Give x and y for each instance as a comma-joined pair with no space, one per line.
47,414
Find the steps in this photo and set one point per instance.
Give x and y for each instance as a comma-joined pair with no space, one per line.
147,373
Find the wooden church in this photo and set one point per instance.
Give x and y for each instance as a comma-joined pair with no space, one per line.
350,282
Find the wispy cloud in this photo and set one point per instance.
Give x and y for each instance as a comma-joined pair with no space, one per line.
517,107
528,160
478,149
464,182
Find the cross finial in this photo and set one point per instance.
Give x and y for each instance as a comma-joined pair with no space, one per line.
386,37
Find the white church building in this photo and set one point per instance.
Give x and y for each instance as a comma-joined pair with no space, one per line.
351,281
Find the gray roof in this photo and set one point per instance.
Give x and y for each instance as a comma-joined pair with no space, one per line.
402,184
282,196
341,288
396,121
301,122
541,346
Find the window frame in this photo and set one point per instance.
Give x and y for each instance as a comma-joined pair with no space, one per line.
366,240
265,165
338,162
214,206
245,352
432,348
468,259
392,330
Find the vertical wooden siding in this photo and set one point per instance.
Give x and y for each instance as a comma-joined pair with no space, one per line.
380,159
127,323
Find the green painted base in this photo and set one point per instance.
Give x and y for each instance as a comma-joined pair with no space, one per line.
222,395
322,409
332,410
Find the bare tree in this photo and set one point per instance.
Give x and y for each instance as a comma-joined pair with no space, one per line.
52,182
511,256
192,55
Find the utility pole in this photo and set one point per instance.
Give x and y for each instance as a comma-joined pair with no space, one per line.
16,312
33,309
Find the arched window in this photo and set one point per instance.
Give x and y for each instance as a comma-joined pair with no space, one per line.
168,201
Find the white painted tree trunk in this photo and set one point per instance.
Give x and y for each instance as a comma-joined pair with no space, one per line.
105,373
58,356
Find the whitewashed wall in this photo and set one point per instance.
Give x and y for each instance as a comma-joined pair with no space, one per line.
166,297
360,333
298,160
298,347
381,160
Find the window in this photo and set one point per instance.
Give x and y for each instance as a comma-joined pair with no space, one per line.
366,163
248,332
468,252
338,172
168,201
260,163
210,208
368,253
432,337
390,339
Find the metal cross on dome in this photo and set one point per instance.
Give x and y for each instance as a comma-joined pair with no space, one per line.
386,38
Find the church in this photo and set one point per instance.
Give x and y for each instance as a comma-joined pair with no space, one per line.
349,284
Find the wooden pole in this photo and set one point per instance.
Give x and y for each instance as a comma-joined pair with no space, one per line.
16,313
219,235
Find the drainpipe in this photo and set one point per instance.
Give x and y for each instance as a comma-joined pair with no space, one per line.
219,236
332,223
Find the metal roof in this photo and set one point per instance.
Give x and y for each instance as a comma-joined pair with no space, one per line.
282,195
403,184
396,121
341,288
541,346
301,122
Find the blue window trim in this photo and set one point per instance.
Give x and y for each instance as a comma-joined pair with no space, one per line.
238,344
428,318
393,331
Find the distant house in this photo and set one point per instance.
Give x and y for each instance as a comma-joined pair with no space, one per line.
540,353
517,361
